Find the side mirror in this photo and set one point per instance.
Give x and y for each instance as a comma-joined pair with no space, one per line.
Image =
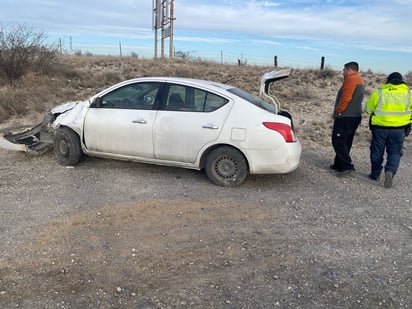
97,102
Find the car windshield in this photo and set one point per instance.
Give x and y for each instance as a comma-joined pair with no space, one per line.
253,99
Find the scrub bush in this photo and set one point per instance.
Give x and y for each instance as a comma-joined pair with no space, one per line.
23,50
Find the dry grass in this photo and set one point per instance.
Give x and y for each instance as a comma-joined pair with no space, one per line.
308,93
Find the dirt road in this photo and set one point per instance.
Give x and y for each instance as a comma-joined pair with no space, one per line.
109,234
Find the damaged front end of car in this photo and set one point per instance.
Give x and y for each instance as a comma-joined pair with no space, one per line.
36,140
39,138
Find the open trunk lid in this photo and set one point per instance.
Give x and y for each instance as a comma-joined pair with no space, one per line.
267,80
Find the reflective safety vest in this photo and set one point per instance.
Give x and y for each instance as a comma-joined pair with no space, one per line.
390,106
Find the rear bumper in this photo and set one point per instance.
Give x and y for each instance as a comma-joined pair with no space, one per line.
282,160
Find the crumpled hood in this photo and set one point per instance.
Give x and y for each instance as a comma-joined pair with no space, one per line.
70,114
64,107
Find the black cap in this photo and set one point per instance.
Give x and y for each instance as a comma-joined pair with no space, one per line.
353,65
395,78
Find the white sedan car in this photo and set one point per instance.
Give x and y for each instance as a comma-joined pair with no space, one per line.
172,121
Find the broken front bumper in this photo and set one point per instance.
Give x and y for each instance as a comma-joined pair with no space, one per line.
36,140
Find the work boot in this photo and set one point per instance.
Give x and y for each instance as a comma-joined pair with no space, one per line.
373,177
388,180
347,171
333,167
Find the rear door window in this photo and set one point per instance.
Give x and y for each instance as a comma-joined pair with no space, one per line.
190,99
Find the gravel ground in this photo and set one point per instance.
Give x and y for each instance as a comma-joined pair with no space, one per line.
112,234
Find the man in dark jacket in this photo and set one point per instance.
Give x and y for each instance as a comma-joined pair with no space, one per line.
347,116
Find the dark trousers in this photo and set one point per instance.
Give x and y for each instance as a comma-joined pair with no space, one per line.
390,140
343,132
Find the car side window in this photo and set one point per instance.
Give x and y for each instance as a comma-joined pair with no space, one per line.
133,96
176,98
213,102
184,98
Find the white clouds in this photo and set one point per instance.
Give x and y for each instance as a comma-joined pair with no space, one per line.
387,21
79,17
330,21
266,42
266,4
370,25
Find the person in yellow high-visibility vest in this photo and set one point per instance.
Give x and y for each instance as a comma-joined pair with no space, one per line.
390,108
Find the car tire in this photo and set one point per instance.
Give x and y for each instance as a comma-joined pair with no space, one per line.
226,166
67,147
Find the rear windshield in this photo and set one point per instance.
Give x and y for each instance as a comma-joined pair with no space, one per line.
253,99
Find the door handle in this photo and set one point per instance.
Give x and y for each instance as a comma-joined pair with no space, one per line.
141,121
210,126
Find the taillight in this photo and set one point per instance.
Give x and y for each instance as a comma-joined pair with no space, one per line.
284,129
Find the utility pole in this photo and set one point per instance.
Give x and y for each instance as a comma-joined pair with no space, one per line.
155,23
171,29
163,24
163,17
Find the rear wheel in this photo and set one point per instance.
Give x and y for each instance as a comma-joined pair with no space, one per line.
226,166
67,147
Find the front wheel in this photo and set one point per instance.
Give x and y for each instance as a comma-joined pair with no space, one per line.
226,166
67,147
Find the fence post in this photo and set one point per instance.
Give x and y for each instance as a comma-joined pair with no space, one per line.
275,61
322,63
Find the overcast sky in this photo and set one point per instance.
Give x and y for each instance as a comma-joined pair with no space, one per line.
377,34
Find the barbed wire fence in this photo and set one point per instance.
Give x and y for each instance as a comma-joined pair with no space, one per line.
87,48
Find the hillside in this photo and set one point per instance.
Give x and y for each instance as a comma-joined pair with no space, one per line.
308,93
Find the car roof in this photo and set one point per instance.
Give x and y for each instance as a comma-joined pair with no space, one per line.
266,80
211,85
